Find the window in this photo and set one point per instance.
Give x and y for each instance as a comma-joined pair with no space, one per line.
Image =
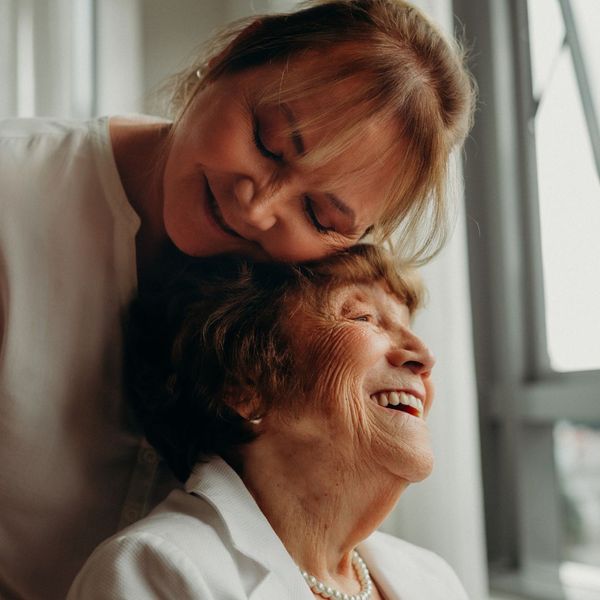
565,53
532,174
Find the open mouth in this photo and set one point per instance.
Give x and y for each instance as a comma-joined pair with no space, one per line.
215,213
399,401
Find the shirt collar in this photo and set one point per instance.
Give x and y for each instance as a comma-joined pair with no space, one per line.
250,531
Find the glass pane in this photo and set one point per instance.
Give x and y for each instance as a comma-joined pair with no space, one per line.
577,451
587,18
569,195
546,34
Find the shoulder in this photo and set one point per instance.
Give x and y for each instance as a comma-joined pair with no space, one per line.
428,573
45,148
138,564
37,131
179,550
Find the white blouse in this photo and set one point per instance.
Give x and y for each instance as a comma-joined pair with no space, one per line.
212,542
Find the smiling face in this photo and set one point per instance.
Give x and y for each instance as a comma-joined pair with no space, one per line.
233,181
371,392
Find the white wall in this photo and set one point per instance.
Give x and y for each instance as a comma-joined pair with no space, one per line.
172,34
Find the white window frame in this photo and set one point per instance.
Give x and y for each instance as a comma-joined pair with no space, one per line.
521,397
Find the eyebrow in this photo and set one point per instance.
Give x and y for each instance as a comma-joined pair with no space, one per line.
296,136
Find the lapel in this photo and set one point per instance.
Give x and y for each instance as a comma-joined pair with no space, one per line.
393,572
250,532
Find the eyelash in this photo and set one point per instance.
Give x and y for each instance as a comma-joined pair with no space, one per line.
363,318
310,213
262,148
308,203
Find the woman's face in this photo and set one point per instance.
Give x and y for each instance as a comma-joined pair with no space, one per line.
365,408
232,182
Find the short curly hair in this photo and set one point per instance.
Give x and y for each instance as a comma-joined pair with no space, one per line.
217,333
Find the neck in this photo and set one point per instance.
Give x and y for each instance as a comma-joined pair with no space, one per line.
320,507
140,150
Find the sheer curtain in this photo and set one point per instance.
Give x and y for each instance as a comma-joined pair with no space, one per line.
70,58
445,512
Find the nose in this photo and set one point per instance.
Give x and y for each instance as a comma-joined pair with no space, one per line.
257,205
412,353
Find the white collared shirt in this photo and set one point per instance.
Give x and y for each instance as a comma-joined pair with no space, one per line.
214,543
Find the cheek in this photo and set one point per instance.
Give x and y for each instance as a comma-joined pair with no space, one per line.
339,362
213,133
334,359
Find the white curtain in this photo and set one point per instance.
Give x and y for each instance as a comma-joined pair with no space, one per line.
445,512
70,58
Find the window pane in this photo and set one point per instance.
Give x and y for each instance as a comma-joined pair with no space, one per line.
546,33
569,195
577,450
587,18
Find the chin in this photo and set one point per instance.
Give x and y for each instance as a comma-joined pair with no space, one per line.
413,465
423,467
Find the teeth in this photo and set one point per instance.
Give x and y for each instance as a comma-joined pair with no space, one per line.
395,398
382,399
410,400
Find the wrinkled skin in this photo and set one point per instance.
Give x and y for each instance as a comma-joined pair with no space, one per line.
364,346
328,467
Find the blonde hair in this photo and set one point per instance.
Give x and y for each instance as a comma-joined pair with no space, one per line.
407,73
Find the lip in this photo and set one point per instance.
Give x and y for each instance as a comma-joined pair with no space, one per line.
214,213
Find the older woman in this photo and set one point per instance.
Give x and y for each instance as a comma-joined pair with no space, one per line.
293,401
293,137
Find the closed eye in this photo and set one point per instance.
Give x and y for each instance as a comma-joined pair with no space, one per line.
312,217
276,156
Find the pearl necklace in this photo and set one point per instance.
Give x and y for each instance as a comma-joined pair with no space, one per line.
366,585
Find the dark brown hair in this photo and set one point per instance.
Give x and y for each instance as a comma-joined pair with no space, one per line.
217,334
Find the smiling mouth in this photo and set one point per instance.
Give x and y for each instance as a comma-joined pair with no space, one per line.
399,401
215,213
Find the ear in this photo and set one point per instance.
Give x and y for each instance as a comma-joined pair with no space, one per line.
245,402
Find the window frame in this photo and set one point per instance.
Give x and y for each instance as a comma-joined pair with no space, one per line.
520,397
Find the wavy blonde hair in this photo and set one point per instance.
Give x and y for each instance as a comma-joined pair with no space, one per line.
408,74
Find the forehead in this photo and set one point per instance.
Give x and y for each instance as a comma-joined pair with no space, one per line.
324,106
345,149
